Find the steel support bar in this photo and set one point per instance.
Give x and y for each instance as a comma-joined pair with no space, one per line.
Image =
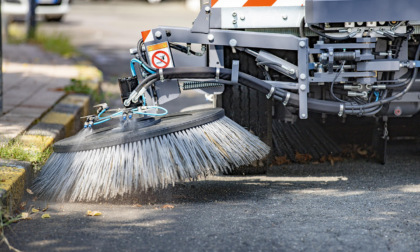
228,37
31,20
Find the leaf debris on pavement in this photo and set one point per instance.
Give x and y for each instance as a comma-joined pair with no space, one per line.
45,216
93,213
29,191
34,210
168,207
25,216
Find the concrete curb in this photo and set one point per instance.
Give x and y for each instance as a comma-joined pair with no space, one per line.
62,120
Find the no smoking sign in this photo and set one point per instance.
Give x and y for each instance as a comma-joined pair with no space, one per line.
161,59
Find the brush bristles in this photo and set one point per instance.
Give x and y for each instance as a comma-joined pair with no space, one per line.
116,171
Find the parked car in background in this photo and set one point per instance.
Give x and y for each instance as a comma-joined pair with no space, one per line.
50,10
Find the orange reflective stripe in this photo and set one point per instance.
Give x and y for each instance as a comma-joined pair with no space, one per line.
213,2
144,34
254,3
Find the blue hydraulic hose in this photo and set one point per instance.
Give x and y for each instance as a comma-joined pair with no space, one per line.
134,111
96,123
133,70
110,116
376,93
165,111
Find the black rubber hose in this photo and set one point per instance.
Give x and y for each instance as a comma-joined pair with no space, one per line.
312,28
315,105
406,34
244,79
389,99
140,53
183,49
302,28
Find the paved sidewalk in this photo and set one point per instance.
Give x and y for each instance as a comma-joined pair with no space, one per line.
37,111
33,82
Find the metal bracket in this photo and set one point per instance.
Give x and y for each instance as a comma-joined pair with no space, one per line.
286,100
217,74
235,71
162,79
202,22
341,112
271,92
303,78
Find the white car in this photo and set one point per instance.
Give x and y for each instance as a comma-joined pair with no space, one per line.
51,10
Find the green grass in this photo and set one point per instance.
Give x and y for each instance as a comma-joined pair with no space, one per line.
78,86
51,42
56,43
16,150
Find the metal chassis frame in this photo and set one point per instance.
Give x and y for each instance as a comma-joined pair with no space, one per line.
217,38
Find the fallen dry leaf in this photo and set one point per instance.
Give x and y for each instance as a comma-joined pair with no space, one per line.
138,205
168,206
34,210
29,191
93,213
362,151
302,158
45,216
25,216
45,209
22,205
281,160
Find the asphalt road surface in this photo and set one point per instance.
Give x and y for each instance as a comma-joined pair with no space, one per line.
355,205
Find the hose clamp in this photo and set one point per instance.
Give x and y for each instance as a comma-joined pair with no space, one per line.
162,79
271,92
286,100
217,74
341,112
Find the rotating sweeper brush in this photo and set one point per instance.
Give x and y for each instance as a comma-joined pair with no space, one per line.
145,152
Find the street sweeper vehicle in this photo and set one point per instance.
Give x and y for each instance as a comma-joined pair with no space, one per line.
290,60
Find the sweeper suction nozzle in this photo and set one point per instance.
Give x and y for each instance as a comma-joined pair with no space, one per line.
118,159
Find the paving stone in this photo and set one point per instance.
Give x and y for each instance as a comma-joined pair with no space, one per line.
44,98
11,187
29,172
79,100
30,112
10,127
15,97
60,118
75,110
56,131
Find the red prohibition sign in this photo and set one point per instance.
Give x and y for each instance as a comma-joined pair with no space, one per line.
156,59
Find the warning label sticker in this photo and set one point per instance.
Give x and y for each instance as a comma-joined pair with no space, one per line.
160,55
161,59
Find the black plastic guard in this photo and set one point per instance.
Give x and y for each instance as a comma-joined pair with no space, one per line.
140,129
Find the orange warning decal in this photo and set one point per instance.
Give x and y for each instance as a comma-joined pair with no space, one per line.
254,3
157,46
144,34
